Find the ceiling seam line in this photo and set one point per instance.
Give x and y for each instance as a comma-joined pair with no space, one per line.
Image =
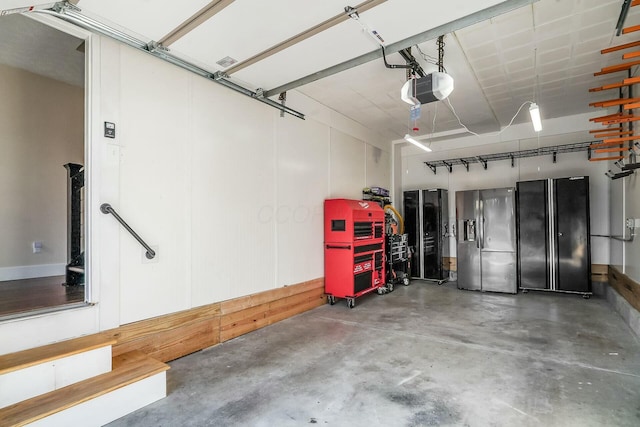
475,77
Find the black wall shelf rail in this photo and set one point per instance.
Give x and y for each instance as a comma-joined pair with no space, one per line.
511,155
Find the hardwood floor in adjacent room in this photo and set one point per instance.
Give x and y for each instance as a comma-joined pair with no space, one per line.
19,296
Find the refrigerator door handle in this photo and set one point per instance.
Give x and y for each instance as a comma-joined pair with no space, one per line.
481,225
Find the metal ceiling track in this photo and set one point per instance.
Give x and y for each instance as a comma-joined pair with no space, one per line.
450,27
510,155
316,29
70,13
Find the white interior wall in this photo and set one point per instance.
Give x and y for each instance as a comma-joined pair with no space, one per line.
625,195
415,174
154,135
228,192
378,167
233,177
616,217
632,256
302,183
42,130
346,177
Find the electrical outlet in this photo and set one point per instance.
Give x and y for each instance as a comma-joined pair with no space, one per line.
36,246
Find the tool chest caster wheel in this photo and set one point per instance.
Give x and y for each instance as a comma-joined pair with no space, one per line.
586,296
331,299
390,287
405,281
351,302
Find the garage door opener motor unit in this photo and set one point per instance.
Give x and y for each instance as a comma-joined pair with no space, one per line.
353,250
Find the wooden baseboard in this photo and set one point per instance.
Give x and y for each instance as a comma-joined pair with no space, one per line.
169,337
284,303
599,272
450,263
629,289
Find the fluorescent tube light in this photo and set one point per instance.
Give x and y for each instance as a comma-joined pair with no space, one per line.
534,110
415,142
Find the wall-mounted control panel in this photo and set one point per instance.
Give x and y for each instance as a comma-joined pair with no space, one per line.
109,130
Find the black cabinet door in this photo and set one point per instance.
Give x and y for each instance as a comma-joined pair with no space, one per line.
572,234
432,230
412,228
533,234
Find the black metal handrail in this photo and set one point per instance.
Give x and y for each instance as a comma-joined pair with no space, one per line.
106,208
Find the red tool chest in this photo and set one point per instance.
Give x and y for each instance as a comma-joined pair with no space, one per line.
353,249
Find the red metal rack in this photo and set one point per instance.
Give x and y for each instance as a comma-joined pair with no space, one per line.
354,249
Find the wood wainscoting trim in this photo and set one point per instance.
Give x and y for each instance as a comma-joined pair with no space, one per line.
240,322
171,336
626,287
450,263
599,272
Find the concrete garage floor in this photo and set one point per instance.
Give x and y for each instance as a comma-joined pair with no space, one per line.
424,355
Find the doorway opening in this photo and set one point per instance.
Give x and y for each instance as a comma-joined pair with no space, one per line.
42,215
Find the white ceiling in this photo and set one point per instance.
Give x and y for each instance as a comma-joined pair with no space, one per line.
492,63
61,58
546,51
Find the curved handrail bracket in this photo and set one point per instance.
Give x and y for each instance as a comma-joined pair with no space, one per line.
106,209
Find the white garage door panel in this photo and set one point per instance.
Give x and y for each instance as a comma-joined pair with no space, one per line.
247,27
151,19
335,45
347,40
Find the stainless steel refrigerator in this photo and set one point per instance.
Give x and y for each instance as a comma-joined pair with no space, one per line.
553,235
486,246
426,218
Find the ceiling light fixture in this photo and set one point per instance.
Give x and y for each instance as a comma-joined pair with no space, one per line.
417,143
534,111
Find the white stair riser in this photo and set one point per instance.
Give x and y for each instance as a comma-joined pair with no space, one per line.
35,380
110,406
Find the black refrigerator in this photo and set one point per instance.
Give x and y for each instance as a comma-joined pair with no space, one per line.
554,250
426,216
